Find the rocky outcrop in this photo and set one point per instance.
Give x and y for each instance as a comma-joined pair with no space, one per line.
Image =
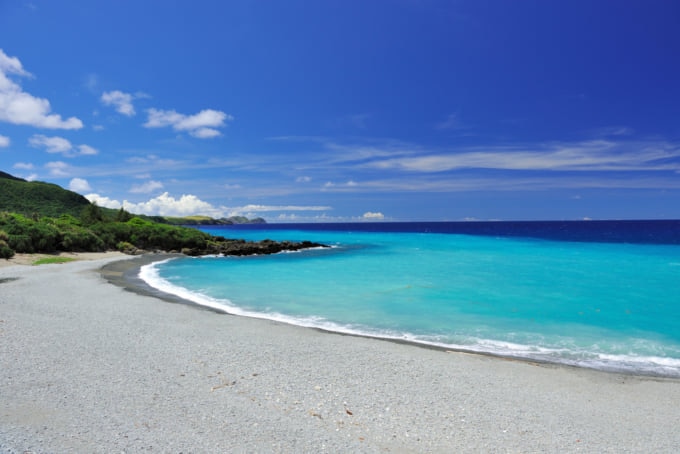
243,247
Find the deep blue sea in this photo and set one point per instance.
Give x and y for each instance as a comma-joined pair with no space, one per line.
603,295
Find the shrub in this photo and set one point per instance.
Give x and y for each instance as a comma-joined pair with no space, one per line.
44,236
6,252
21,243
81,240
28,235
126,248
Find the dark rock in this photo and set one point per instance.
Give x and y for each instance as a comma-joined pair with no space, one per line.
242,247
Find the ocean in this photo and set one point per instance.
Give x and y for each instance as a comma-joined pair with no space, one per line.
596,294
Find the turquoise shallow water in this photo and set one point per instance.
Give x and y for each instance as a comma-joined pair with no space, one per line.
601,305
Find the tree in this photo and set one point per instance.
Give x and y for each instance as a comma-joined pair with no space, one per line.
123,216
91,214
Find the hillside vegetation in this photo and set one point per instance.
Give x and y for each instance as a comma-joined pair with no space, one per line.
93,234
32,198
52,219
129,234
35,197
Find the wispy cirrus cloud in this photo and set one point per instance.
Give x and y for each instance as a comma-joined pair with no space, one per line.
426,183
266,208
57,168
202,125
334,185
355,121
147,187
597,155
452,121
51,144
154,160
60,145
393,166
618,153
21,108
609,131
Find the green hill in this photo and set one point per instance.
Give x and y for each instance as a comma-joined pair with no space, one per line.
31,197
46,199
43,217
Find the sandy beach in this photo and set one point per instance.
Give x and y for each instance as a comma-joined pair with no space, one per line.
29,259
90,366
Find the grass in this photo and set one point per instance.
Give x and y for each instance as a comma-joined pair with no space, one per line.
51,260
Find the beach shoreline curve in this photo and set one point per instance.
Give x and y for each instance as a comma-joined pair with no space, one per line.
91,367
126,274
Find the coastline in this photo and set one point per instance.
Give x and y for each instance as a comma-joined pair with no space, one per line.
92,367
126,275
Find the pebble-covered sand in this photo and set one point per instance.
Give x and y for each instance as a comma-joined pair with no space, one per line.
88,367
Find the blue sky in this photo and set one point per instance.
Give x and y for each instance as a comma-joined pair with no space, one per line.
344,110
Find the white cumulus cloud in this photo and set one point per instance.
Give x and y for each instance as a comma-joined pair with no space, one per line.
105,202
12,65
166,205
4,141
21,108
189,205
163,205
60,145
204,133
122,102
79,185
202,125
373,216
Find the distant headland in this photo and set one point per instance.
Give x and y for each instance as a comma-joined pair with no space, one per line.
38,217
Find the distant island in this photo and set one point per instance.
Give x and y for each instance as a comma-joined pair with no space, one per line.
46,218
